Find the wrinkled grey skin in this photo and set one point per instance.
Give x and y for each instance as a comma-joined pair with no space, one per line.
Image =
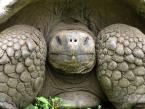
67,49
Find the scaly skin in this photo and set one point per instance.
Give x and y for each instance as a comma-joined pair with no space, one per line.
121,67
120,54
45,15
22,61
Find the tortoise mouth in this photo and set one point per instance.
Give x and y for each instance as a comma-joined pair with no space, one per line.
72,63
78,99
71,59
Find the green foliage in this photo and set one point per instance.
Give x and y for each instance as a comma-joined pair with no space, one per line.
31,107
99,107
52,103
43,103
55,103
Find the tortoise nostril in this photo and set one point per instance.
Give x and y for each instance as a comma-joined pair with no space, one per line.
86,40
71,40
58,40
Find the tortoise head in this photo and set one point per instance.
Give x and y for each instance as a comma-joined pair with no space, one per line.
72,50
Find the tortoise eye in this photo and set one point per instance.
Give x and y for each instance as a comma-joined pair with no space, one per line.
58,40
86,40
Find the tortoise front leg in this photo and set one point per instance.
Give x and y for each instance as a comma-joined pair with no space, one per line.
121,68
22,65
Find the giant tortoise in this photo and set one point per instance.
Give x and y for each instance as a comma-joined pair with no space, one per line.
87,52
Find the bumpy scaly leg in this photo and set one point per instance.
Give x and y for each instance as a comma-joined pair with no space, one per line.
22,65
121,68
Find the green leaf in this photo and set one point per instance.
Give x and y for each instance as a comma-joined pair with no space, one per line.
42,100
99,107
56,99
43,103
31,107
44,106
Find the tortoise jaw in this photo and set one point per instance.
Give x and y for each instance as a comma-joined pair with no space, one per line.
73,64
79,99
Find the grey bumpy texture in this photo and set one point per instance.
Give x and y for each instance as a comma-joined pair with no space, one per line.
22,65
120,53
121,60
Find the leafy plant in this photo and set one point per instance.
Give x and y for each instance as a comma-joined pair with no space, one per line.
52,103
43,103
55,103
31,107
